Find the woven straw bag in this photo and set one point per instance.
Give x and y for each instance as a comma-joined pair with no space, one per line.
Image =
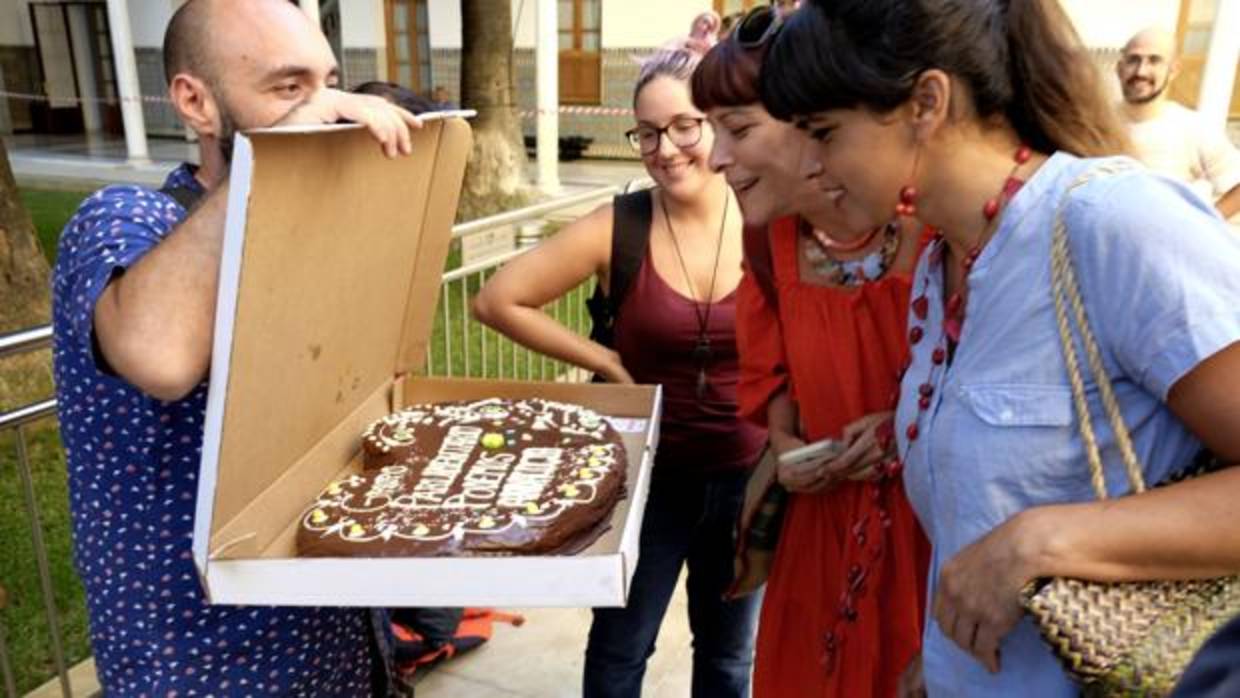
1122,639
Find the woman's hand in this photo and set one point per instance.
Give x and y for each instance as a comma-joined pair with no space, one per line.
977,599
611,369
868,448
801,479
912,681
388,123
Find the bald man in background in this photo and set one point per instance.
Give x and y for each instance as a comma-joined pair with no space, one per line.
1168,137
133,299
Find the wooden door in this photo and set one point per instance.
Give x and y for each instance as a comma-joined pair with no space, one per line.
1193,38
580,36
408,44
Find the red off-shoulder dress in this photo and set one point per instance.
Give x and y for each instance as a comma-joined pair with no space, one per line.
844,604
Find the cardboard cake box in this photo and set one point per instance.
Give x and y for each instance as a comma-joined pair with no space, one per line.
330,274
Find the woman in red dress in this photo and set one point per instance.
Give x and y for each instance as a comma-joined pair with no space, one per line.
842,613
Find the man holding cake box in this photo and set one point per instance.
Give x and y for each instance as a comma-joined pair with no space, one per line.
134,308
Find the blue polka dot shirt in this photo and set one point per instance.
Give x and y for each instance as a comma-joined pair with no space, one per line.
133,472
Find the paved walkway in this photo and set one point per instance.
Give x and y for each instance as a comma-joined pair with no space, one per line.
543,659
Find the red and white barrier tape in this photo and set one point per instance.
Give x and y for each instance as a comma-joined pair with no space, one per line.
161,99
580,111
30,97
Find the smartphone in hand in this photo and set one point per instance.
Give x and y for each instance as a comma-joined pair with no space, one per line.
810,455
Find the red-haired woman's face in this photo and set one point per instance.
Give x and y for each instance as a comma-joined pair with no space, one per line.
680,170
761,158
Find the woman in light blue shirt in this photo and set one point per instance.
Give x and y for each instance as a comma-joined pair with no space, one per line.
977,116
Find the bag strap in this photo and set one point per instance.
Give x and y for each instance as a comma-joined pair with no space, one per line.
632,217
1067,293
186,197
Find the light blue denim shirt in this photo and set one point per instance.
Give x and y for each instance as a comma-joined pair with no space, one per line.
1160,276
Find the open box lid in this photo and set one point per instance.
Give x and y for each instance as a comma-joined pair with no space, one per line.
329,278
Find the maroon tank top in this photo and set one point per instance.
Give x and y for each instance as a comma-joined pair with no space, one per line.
656,334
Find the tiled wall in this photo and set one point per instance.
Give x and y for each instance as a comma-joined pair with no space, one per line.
360,65
619,74
161,119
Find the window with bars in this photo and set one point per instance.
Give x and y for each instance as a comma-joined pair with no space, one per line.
408,44
580,24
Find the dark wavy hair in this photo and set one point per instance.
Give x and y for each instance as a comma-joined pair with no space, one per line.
1021,60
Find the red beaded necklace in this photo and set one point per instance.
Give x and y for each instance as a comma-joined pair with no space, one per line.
868,533
954,309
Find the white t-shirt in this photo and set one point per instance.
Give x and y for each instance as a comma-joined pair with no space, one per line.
1179,144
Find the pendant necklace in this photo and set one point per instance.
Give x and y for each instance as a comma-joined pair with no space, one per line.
702,352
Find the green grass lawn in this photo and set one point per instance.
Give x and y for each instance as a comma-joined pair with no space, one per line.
50,211
458,345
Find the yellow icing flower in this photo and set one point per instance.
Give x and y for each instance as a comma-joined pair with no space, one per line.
585,474
594,462
569,490
493,440
532,507
356,530
334,488
486,522
420,530
317,516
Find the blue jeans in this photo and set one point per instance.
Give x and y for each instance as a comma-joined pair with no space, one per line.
1215,671
689,519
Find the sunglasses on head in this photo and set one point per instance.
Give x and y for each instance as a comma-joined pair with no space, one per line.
757,27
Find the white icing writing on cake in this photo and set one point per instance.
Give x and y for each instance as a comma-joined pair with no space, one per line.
528,480
387,484
446,466
482,481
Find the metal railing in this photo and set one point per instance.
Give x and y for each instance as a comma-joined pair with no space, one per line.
459,346
24,342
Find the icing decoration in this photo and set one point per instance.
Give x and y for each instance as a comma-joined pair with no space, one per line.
445,479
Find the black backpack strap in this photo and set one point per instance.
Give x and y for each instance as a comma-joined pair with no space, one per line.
632,216
187,197
630,236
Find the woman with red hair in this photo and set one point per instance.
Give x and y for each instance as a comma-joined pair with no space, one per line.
820,355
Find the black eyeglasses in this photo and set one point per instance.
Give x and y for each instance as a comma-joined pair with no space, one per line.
758,27
683,132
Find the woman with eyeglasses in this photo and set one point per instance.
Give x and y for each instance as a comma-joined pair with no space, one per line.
988,121
674,326
820,359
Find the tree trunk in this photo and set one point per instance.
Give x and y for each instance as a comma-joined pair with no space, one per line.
25,296
495,177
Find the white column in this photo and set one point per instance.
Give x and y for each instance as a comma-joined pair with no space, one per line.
548,88
311,8
1219,78
127,81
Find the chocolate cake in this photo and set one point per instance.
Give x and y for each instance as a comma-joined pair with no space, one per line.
471,478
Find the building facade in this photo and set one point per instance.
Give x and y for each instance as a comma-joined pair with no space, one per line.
56,55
